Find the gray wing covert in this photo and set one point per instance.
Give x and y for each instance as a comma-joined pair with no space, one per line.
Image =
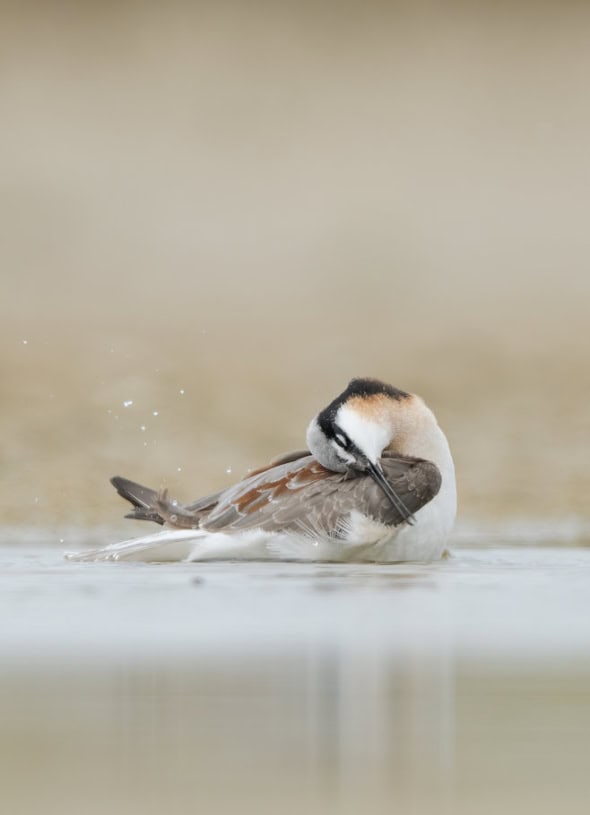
281,498
284,458
414,480
190,516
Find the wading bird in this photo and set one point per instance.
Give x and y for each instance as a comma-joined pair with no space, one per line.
377,483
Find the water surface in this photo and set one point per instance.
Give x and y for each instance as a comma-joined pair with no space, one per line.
297,687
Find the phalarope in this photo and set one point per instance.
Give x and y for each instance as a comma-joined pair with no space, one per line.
376,484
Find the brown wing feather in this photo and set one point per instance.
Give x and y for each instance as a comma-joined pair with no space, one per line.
285,458
301,494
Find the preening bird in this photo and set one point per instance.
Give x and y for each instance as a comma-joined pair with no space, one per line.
377,483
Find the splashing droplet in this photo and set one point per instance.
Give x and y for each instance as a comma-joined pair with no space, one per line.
128,403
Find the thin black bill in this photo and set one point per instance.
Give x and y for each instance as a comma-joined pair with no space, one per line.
378,476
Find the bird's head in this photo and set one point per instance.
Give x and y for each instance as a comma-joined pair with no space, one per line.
352,432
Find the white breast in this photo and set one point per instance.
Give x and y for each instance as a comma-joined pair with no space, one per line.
427,538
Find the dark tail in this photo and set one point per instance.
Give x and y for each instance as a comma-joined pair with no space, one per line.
144,500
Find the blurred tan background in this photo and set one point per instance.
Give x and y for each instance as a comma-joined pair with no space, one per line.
220,212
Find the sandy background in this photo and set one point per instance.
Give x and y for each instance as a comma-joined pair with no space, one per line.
221,212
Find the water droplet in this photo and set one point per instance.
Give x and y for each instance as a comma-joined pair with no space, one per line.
155,413
228,471
145,444
128,403
25,342
61,540
143,428
174,518
179,469
181,391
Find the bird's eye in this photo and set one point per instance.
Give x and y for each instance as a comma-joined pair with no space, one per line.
342,440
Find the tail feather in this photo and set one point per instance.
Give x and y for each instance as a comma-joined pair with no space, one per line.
143,499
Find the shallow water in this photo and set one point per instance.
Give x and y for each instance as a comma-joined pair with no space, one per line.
291,687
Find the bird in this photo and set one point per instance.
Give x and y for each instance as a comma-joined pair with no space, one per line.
376,483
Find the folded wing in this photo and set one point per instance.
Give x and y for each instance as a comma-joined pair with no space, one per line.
301,495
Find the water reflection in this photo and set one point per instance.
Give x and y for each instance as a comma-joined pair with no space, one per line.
457,688
316,732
